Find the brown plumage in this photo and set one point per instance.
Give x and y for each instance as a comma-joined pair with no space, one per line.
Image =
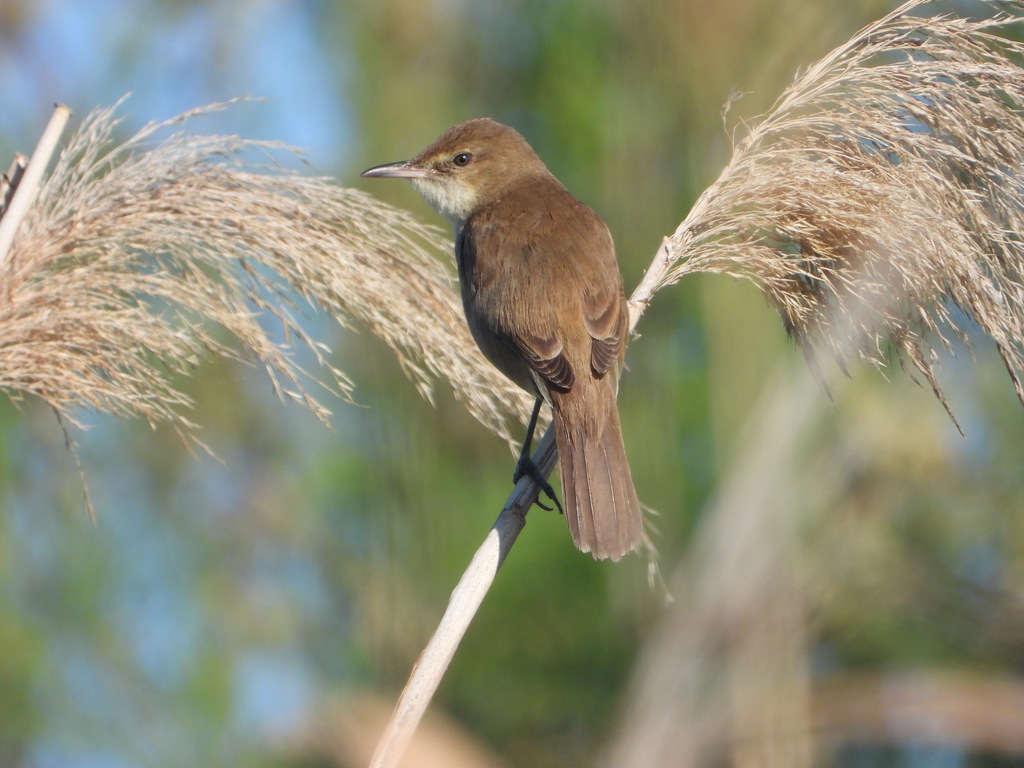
544,301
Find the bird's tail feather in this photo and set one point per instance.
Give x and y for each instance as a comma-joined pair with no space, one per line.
601,506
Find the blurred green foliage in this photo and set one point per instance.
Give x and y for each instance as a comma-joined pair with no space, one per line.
203,615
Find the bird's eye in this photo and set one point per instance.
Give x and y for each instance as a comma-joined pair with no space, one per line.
462,159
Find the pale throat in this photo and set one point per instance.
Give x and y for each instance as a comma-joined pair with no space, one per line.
448,197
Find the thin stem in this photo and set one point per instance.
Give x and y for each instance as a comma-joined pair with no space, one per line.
25,194
10,181
462,607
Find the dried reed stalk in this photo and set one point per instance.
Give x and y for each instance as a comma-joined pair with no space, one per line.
887,183
139,258
21,182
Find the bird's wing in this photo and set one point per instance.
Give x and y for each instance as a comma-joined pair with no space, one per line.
546,357
509,337
521,310
605,321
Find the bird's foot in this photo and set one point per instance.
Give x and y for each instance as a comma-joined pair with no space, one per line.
526,468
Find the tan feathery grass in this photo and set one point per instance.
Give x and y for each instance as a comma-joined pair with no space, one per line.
141,257
887,183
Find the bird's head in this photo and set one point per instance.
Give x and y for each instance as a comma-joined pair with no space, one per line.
469,165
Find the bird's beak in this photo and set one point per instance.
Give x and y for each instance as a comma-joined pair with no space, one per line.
401,170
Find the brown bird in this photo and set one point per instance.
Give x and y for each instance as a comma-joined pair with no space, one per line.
543,298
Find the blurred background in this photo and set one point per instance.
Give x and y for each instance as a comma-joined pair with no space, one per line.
264,607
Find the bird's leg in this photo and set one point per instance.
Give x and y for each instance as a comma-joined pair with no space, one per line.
525,465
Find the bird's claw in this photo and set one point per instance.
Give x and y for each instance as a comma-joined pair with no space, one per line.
526,468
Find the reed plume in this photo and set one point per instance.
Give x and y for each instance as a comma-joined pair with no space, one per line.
141,257
882,195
